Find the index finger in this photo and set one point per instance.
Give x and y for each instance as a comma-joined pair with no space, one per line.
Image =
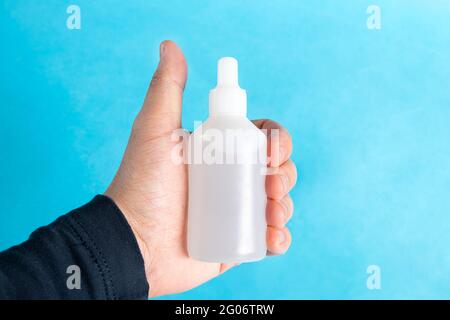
279,141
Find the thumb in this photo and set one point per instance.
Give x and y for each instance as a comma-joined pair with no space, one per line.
161,112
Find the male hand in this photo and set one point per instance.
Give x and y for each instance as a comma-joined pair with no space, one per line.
152,191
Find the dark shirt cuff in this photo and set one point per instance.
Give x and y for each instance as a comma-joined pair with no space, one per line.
113,247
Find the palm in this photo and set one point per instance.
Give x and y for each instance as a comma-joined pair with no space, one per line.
163,190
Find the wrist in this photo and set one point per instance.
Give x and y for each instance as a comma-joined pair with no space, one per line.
133,224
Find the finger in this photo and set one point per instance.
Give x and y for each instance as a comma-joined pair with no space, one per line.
161,112
278,240
224,267
279,212
279,184
279,141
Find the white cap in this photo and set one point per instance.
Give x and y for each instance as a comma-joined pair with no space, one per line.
227,97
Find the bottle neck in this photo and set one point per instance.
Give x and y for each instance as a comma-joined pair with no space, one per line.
228,101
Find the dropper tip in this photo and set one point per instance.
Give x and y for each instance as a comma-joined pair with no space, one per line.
227,73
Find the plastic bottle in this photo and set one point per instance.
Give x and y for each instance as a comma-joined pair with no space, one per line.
227,198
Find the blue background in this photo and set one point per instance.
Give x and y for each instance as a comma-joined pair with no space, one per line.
369,112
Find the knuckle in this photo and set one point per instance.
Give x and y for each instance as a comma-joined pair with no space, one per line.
162,80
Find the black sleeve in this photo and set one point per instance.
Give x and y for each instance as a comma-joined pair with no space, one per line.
93,244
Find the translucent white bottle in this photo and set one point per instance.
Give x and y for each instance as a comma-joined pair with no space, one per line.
227,166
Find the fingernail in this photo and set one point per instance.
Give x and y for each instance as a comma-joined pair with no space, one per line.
285,182
280,236
162,50
282,214
285,210
281,154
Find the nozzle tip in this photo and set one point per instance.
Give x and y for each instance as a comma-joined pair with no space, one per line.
227,73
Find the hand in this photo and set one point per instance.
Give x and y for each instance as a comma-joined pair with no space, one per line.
151,190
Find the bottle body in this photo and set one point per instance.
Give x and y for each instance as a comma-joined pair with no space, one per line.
227,198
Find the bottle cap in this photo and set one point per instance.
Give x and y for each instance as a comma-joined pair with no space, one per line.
227,98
